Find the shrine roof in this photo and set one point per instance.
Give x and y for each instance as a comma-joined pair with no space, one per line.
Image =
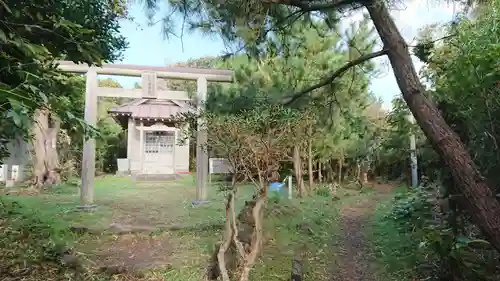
151,109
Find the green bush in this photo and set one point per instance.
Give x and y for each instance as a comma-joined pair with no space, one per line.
323,190
445,247
275,196
413,208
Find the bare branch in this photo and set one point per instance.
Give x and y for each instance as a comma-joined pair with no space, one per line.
290,99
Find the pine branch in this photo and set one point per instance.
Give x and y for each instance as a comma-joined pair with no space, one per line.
291,98
310,6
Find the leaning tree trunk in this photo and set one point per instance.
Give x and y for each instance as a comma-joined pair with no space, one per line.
46,159
479,197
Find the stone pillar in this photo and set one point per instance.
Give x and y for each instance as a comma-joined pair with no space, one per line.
88,159
201,140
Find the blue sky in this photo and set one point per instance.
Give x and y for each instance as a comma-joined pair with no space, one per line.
148,47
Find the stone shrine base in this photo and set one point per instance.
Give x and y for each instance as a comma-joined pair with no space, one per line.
156,177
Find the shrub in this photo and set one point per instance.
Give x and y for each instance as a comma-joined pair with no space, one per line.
451,250
323,190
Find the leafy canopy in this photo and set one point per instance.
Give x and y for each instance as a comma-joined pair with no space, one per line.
33,34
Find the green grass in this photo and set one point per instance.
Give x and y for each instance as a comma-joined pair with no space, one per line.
32,245
396,251
312,222
120,199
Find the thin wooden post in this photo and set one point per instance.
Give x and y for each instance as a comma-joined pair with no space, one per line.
210,171
290,187
141,147
341,163
174,170
201,140
413,155
88,159
4,172
130,136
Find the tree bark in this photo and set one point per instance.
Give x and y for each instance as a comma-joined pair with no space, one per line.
297,165
310,163
330,174
298,265
479,197
358,171
365,168
46,162
320,176
233,259
341,162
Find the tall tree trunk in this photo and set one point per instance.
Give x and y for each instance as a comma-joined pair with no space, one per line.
46,162
320,176
330,175
341,162
297,166
358,171
310,162
365,168
479,197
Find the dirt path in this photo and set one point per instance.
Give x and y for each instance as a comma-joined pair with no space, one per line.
353,258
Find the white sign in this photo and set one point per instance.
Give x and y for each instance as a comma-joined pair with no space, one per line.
15,172
219,166
123,164
3,173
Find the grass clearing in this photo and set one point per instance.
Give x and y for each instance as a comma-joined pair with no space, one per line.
396,252
309,223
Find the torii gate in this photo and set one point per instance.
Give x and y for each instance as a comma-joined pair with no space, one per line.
149,90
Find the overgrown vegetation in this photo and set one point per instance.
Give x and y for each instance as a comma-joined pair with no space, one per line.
33,35
254,142
435,215
413,237
270,123
258,19
37,229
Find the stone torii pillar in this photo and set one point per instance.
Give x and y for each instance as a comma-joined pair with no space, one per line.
201,139
149,75
88,158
